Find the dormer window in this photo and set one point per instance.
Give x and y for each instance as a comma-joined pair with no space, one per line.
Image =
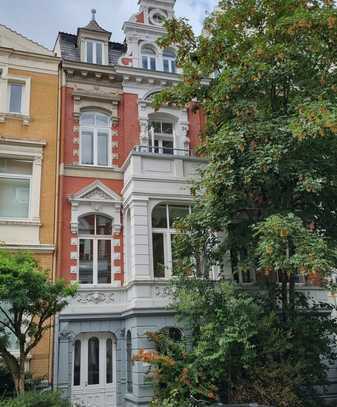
94,52
148,58
169,61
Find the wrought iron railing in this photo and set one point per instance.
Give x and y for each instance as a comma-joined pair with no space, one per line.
163,151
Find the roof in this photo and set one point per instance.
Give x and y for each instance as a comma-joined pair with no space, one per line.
94,26
71,52
12,39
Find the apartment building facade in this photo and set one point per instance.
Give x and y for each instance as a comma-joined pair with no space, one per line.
28,160
125,176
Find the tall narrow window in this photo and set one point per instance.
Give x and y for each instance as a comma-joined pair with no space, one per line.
169,61
161,137
15,186
95,139
129,362
93,361
94,52
16,97
163,232
95,247
77,363
148,58
109,361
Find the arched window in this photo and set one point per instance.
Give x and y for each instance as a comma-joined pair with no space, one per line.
93,361
161,136
95,247
77,363
169,61
148,58
163,231
95,142
129,362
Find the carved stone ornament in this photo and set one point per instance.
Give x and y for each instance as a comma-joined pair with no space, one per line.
66,335
162,292
97,194
95,298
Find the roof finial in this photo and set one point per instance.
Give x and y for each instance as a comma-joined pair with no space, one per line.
93,12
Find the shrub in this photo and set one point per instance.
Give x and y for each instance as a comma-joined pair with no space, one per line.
46,399
7,388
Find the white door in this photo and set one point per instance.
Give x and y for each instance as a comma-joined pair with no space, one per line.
94,371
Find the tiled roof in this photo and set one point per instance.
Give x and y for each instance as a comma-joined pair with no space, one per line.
70,51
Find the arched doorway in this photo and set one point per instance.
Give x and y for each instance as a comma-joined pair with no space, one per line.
94,370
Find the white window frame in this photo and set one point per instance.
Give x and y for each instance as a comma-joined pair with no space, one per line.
23,96
95,239
94,51
160,137
172,62
4,175
5,81
149,58
167,232
95,131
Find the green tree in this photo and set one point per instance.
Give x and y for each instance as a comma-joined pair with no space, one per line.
241,349
28,301
264,74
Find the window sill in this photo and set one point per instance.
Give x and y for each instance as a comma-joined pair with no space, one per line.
26,119
22,222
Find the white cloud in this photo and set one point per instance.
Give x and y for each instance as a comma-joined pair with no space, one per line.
41,20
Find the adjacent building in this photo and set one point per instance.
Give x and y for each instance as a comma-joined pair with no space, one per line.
125,174
28,159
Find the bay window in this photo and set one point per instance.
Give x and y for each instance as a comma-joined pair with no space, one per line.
95,249
15,187
94,52
95,142
161,137
163,231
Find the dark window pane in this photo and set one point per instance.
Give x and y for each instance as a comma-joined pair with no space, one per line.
93,361
173,333
173,66
158,255
153,63
177,212
90,53
86,261
86,225
167,147
15,100
159,218
156,126
109,365
87,147
99,53
103,225
77,363
129,362
145,62
12,166
167,128
166,65
104,261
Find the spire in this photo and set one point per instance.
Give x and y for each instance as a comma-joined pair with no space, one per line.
93,12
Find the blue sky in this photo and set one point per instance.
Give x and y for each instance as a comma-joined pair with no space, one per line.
41,20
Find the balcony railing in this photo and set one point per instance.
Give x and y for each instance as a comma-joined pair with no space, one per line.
164,151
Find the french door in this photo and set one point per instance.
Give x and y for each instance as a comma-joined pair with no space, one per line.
94,371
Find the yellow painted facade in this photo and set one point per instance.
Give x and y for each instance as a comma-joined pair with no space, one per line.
36,129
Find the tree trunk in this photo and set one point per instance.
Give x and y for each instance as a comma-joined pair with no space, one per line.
284,295
292,293
20,378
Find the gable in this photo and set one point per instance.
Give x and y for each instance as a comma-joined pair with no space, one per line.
97,191
14,40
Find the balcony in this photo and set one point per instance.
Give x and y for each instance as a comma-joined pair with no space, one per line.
158,170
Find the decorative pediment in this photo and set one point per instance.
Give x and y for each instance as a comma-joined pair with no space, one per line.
96,192
96,198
